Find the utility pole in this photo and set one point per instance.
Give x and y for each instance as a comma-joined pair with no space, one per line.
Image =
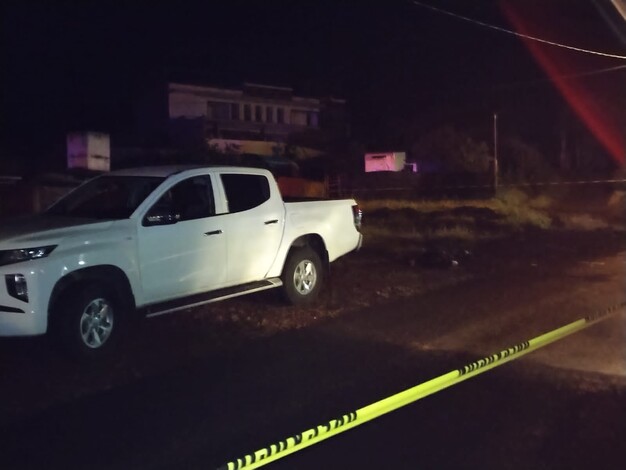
495,152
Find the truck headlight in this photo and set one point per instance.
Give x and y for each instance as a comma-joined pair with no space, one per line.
24,254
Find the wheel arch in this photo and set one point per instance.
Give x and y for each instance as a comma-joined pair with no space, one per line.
314,241
111,276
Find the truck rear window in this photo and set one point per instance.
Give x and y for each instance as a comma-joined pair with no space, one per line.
244,192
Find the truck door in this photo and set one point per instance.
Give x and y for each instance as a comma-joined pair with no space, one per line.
182,246
254,225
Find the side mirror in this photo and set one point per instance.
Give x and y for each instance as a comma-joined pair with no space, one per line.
160,216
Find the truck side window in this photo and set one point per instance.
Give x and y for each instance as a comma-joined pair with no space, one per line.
244,192
190,199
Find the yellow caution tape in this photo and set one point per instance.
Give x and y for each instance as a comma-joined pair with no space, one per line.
355,418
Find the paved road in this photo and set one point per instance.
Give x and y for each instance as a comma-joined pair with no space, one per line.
562,407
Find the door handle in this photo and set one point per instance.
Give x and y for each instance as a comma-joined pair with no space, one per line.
270,222
214,232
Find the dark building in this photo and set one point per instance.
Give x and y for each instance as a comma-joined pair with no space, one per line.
202,114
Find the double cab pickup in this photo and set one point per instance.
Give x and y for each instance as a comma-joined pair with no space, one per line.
156,240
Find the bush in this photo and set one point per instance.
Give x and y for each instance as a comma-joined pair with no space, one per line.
519,161
455,150
519,210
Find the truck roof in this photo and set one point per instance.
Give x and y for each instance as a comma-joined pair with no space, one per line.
169,170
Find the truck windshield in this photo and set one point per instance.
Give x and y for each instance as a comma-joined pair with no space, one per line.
106,197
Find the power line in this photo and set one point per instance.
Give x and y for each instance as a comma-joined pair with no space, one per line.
566,77
515,33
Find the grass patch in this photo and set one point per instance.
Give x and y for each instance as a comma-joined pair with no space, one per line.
372,232
541,202
372,205
457,232
617,200
583,222
466,220
518,216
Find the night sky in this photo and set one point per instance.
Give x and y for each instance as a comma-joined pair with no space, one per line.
88,65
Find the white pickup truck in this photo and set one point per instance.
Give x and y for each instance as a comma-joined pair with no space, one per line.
156,240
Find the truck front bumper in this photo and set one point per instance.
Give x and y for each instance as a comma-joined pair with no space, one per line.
19,314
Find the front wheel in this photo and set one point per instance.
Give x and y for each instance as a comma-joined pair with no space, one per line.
303,276
87,321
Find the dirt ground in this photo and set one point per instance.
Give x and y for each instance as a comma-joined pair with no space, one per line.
369,278
377,275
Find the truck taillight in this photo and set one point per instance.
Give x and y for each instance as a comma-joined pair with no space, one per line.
357,213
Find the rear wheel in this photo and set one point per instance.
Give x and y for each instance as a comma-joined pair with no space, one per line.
303,276
87,321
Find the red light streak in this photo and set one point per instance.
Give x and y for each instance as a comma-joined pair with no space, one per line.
604,122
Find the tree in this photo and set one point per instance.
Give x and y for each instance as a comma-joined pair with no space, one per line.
520,161
452,151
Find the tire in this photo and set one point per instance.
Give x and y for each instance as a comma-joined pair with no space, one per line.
87,321
303,276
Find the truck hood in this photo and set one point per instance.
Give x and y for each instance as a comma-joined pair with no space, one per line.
37,230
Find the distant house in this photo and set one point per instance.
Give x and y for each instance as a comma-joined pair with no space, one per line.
386,161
